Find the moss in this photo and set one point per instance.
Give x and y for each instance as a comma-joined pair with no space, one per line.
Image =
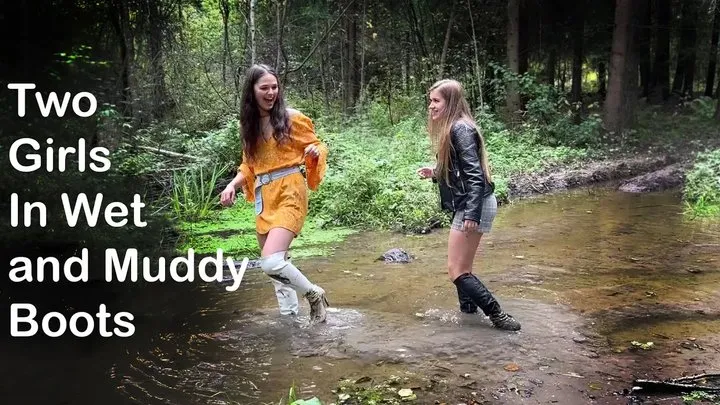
233,231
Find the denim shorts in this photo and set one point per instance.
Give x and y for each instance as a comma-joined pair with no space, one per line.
487,215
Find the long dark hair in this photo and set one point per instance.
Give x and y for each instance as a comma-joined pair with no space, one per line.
250,113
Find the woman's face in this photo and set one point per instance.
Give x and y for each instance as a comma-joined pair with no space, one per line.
437,105
266,90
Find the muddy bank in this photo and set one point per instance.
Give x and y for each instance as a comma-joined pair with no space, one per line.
613,172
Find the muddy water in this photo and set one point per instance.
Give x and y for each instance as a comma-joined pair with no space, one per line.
586,273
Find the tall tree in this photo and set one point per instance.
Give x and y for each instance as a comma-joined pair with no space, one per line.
156,21
513,53
252,26
446,43
643,45
578,40
618,104
660,86
120,20
712,62
685,68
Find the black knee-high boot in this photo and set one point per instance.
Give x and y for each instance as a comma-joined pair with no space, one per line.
466,303
481,296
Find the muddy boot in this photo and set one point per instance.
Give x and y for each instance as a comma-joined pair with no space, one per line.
466,304
318,305
481,296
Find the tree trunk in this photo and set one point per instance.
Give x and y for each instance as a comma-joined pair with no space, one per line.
660,87
712,63
225,14
551,67
689,81
602,83
478,77
644,38
685,69
578,39
120,20
513,53
253,4
550,41
446,43
155,55
363,24
616,110
351,83
523,37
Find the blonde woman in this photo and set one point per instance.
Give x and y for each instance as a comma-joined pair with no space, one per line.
467,190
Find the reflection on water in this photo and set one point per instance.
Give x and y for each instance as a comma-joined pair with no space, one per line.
618,264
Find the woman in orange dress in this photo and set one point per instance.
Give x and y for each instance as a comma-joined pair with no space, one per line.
276,142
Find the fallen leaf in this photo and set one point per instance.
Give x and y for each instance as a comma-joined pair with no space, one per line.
512,367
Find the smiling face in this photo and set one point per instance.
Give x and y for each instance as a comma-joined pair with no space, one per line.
437,105
266,92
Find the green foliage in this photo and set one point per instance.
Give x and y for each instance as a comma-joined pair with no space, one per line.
373,169
703,396
702,186
194,196
549,118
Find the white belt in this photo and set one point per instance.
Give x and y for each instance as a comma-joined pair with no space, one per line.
266,178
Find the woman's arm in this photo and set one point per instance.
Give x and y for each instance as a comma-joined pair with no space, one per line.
305,138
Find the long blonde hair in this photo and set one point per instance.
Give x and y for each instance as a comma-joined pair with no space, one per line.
456,109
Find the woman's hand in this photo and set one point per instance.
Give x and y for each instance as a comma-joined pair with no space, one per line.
470,226
312,150
425,172
227,197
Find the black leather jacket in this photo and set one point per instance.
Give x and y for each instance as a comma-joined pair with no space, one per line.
468,186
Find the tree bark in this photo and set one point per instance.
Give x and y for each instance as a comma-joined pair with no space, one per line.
351,83
155,55
523,37
689,80
513,54
253,5
446,43
644,37
478,77
363,23
578,39
120,19
660,87
602,83
616,114
685,69
225,13
712,62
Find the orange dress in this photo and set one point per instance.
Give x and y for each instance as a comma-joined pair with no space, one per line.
285,200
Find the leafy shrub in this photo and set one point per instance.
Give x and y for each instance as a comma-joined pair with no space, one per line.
702,186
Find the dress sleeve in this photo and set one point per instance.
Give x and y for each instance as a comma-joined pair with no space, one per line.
303,136
248,183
